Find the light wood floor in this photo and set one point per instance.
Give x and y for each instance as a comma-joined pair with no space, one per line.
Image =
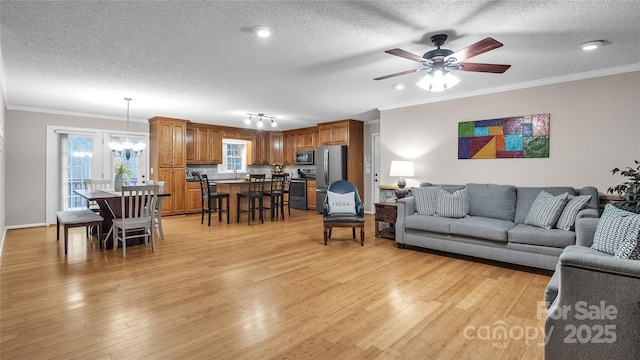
268,291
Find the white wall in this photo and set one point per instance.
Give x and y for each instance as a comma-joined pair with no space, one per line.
26,157
3,114
595,126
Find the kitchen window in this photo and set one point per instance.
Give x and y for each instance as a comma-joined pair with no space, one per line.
234,156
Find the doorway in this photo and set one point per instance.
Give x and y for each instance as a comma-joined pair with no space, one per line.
375,168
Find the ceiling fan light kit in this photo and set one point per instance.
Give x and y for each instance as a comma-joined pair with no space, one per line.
592,45
440,62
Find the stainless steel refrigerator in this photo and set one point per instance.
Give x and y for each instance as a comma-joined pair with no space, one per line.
331,165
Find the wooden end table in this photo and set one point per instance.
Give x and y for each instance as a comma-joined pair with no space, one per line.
386,214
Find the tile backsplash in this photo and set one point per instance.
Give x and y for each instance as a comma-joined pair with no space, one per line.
212,171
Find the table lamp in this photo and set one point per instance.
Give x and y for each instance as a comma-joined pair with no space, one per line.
401,169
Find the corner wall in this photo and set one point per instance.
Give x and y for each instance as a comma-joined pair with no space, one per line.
26,157
595,127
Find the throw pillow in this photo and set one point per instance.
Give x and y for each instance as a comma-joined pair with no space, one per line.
546,210
454,205
568,217
426,199
616,232
341,203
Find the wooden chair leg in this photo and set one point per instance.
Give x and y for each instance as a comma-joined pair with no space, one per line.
353,231
362,236
325,236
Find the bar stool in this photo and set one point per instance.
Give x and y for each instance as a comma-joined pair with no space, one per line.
252,191
276,195
212,201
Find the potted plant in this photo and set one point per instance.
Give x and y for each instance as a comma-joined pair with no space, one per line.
121,170
629,191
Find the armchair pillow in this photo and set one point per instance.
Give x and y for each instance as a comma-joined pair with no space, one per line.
546,209
617,233
454,205
341,203
568,217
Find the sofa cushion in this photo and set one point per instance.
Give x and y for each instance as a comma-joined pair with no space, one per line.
616,227
546,210
492,201
426,199
526,196
434,224
567,219
533,235
482,227
454,205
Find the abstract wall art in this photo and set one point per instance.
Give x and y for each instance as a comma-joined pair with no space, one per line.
505,138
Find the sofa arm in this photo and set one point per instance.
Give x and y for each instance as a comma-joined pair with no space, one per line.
587,213
585,230
406,207
597,312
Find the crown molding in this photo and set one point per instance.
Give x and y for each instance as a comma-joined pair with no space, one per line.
73,113
523,85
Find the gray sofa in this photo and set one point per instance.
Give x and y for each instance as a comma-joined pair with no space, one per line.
495,229
595,303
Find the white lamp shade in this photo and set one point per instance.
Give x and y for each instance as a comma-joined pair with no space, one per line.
401,168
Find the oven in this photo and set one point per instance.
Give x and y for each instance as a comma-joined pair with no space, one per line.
298,194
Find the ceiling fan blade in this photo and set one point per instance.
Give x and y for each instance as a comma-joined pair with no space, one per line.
472,50
406,55
398,74
489,68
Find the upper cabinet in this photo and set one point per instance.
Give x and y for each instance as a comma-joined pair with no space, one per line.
203,144
335,133
276,148
289,147
168,137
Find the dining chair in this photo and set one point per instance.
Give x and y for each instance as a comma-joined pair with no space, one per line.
91,184
276,195
251,191
212,201
286,194
138,204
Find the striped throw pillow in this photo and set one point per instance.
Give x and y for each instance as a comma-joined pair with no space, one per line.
454,205
617,232
568,217
546,210
426,199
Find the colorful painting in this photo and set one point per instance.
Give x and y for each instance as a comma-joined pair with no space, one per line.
506,138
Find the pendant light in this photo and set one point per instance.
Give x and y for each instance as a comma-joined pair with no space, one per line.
127,149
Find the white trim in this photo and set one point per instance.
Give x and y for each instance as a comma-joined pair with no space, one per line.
523,85
24,226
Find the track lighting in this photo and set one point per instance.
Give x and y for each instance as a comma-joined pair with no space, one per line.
260,123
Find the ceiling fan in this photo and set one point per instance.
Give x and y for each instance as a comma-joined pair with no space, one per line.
440,61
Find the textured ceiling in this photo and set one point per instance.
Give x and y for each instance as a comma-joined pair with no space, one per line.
200,61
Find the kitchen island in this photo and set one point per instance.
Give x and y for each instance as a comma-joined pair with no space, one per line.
233,187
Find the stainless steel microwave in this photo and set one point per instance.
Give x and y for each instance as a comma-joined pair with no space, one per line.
305,157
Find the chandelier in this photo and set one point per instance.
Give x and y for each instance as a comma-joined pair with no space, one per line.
127,149
260,123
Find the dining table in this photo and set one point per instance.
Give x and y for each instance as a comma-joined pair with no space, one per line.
110,203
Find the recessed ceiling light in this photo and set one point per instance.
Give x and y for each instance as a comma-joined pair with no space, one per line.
262,31
592,45
399,86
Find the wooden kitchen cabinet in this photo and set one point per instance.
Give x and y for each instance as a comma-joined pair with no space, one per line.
203,144
194,197
175,183
311,194
167,136
276,148
289,148
168,159
336,133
